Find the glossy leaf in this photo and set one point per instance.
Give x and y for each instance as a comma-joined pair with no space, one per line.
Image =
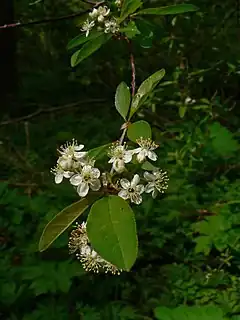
129,7
123,99
130,30
139,129
111,229
81,39
145,89
62,221
174,9
88,48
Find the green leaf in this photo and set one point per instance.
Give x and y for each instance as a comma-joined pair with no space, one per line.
130,30
174,9
203,244
189,313
62,221
145,38
123,99
129,7
139,129
81,39
145,89
148,166
223,141
111,229
99,152
88,48
182,111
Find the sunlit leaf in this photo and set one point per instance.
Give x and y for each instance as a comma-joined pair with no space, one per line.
123,99
111,229
139,129
182,111
88,48
174,9
129,7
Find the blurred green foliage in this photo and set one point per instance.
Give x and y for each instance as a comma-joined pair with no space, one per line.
189,239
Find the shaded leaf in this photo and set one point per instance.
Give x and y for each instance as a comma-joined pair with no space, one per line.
182,111
145,88
81,39
139,129
123,99
99,152
174,9
130,30
203,244
129,7
63,220
88,48
111,229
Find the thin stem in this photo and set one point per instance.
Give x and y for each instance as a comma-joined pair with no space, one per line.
49,20
132,62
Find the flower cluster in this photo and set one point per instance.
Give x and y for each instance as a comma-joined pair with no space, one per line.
75,165
90,259
100,18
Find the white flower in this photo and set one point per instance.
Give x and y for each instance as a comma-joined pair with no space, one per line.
87,26
60,174
72,150
118,3
146,149
90,259
99,13
132,190
119,156
111,26
157,182
189,100
88,178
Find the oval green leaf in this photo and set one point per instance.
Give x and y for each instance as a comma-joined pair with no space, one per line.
123,99
99,152
145,89
139,129
111,229
81,39
62,221
129,7
174,9
182,111
88,49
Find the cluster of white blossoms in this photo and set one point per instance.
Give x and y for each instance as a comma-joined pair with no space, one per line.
90,259
76,166
100,18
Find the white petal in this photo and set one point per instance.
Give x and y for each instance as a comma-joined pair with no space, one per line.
118,165
149,176
111,160
67,174
76,179
152,155
135,181
58,178
141,156
149,187
136,198
125,184
79,155
137,150
95,173
127,156
140,188
123,194
83,189
79,147
95,184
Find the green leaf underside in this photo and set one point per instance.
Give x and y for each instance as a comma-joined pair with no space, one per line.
174,9
189,313
63,220
111,229
99,152
139,129
182,111
81,39
122,99
129,7
88,49
145,89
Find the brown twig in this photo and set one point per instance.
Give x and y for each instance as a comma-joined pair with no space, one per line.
49,110
132,62
50,20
